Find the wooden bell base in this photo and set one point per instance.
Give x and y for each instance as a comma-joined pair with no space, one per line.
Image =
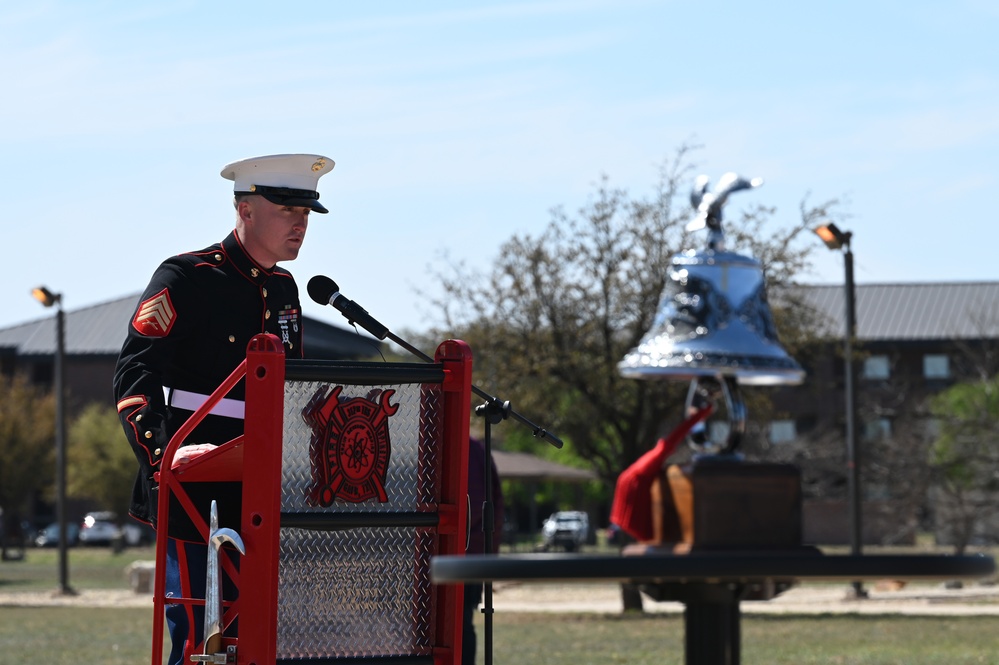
723,504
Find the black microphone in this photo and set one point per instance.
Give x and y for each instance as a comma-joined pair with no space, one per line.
324,291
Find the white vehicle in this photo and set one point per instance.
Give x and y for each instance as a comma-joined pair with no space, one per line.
101,528
567,529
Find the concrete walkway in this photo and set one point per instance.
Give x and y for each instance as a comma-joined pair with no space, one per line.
915,599
926,599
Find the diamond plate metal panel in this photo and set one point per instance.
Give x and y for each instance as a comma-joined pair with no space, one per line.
363,591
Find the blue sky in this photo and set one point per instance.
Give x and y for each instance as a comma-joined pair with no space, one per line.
455,125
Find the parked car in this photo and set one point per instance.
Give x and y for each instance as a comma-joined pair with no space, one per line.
567,529
49,536
99,528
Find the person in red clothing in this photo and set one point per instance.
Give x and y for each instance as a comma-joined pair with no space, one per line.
631,509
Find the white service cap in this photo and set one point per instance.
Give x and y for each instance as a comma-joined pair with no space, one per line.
281,179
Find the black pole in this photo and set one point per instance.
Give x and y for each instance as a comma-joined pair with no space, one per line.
712,634
488,517
493,412
852,451
60,391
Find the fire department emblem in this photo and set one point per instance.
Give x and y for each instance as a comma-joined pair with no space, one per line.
350,446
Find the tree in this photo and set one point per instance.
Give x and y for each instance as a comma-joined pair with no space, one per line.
557,312
102,463
965,455
27,446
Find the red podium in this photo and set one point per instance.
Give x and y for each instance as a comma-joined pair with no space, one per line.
353,476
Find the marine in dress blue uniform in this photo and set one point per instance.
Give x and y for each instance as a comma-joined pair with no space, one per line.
188,333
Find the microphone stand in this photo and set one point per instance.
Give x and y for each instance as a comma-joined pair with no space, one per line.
493,411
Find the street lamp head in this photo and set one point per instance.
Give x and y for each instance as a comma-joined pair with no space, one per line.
44,296
832,236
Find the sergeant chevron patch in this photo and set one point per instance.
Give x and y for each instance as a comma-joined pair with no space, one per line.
155,316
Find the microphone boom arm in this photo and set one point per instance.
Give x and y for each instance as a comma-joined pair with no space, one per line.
325,291
496,405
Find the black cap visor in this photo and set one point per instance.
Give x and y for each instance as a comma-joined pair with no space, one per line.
285,196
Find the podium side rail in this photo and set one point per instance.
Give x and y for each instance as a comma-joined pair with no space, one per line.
169,485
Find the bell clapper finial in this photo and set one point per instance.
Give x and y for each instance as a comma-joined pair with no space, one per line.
709,204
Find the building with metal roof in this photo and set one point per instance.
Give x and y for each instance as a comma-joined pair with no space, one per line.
94,336
914,311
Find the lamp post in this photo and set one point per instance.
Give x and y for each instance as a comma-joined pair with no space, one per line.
47,298
834,239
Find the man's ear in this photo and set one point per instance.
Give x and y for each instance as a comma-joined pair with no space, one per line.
244,210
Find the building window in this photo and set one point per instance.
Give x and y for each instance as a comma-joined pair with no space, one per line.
782,431
936,366
878,429
876,367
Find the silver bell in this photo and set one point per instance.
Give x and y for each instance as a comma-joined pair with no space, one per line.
714,325
713,320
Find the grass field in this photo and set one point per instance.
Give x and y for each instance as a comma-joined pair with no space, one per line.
89,568
658,640
63,636
67,636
